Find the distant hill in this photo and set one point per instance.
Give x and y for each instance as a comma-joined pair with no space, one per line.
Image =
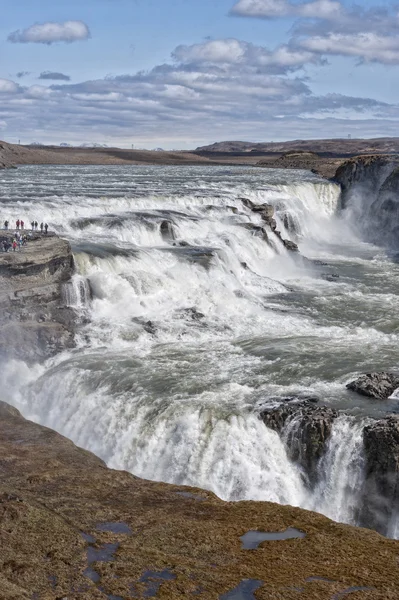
328,147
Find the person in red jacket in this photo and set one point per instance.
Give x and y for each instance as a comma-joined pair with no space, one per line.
22,224
17,223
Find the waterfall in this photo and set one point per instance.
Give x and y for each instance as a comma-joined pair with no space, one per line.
341,472
77,292
193,316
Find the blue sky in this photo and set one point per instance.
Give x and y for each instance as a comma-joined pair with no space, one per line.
182,73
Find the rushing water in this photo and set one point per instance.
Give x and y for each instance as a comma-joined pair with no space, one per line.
184,343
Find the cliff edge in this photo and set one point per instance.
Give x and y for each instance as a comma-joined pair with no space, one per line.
72,528
34,321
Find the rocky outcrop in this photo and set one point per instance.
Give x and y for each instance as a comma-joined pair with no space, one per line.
381,489
385,212
364,174
305,429
266,212
34,321
375,385
72,528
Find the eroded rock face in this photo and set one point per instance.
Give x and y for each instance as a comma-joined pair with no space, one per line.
34,322
381,489
305,429
71,528
375,385
363,173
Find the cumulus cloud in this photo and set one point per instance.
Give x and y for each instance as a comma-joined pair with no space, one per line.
8,87
54,76
231,51
21,74
50,33
271,9
368,47
218,89
328,27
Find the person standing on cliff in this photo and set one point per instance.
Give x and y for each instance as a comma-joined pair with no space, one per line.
45,228
36,225
41,227
22,224
17,223
33,225
5,224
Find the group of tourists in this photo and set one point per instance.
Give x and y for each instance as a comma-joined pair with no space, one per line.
20,239
34,225
14,244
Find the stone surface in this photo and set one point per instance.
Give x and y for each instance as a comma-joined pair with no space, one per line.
305,429
364,174
55,498
381,489
375,385
34,321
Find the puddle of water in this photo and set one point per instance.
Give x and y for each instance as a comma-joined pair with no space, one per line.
191,496
154,580
92,575
114,528
350,590
88,538
244,591
103,554
252,539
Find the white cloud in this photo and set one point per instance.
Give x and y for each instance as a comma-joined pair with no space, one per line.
231,51
49,33
368,47
217,89
270,9
38,91
8,87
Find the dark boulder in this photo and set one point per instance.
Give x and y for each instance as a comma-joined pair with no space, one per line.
375,385
291,246
305,429
256,230
167,231
266,210
381,488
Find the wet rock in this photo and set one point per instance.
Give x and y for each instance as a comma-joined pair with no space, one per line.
167,230
381,488
266,210
305,429
363,174
291,246
255,230
375,385
34,321
149,327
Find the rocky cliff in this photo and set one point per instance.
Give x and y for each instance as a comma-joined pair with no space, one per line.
34,322
306,427
71,528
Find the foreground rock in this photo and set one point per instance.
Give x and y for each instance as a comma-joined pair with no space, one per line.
375,385
34,322
305,429
72,528
381,489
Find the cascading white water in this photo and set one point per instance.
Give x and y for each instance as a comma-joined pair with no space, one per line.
195,324
341,472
